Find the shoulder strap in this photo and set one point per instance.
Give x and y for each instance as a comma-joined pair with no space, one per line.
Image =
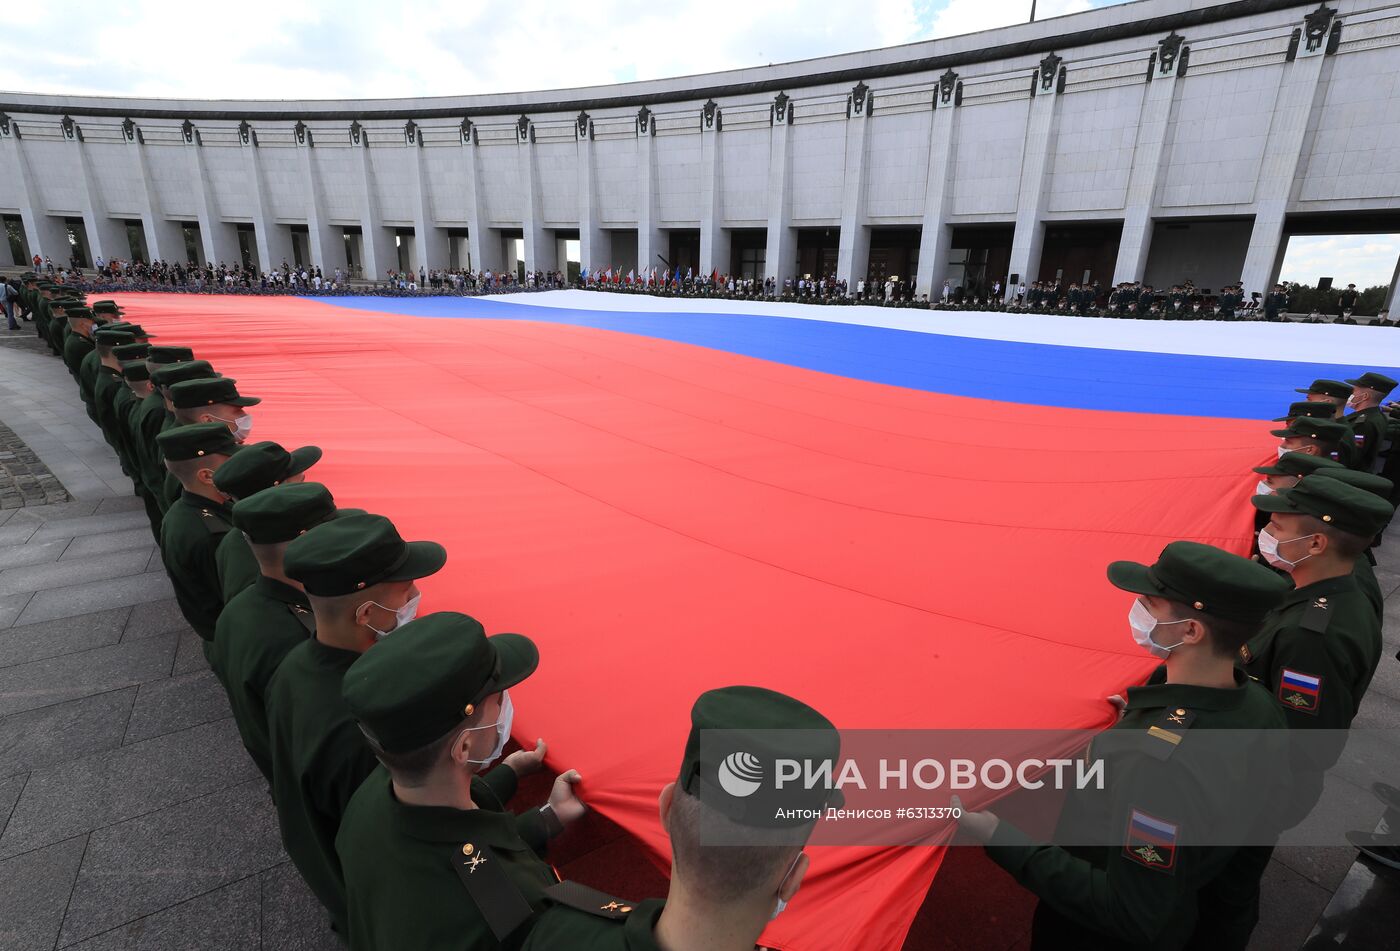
1316,616
214,522
589,900
502,906
305,616
1165,734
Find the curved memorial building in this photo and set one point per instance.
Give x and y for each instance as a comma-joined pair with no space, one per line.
1155,141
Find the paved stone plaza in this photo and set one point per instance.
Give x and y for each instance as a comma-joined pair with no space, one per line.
130,816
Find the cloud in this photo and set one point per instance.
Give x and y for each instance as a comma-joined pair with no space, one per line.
1365,260
270,49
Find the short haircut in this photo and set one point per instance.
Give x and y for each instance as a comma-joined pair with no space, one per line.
414,768
1226,635
1348,545
720,874
268,555
185,469
189,414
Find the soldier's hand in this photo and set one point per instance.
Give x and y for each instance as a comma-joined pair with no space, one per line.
567,805
979,825
1119,704
525,762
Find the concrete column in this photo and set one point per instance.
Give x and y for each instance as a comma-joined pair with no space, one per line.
325,244
1159,99
218,237
375,245
936,237
45,235
1029,238
1392,306
429,241
779,257
539,249
651,239
714,239
483,258
594,244
274,241
163,239
1298,96
853,253
106,237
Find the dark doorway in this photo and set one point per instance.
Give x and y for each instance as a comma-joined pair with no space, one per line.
894,253
301,247
816,252
247,246
685,250
14,236
136,241
1080,252
194,247
748,250
977,258
77,242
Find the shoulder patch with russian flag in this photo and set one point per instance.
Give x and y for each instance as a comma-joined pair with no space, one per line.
1299,691
1151,841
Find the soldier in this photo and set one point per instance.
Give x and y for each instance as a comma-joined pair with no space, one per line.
1317,437
1285,473
213,400
1365,574
1317,651
193,527
1226,303
105,376
117,402
259,466
261,624
733,869
433,702
137,376
1367,420
1334,393
153,424
1195,607
79,342
1306,409
359,576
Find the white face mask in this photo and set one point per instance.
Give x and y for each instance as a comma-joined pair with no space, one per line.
401,616
782,905
1283,451
1143,624
242,426
1268,547
502,728
1263,488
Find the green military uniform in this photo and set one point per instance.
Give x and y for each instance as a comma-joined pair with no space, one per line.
1316,653
192,528
259,466
1368,426
768,724
135,372
1331,433
436,876
121,403
77,345
319,756
1161,787
262,623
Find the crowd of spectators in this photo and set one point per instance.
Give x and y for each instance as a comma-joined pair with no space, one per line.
1127,300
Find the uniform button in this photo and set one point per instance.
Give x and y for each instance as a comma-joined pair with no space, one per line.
468,849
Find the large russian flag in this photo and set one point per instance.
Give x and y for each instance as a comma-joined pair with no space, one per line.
901,517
